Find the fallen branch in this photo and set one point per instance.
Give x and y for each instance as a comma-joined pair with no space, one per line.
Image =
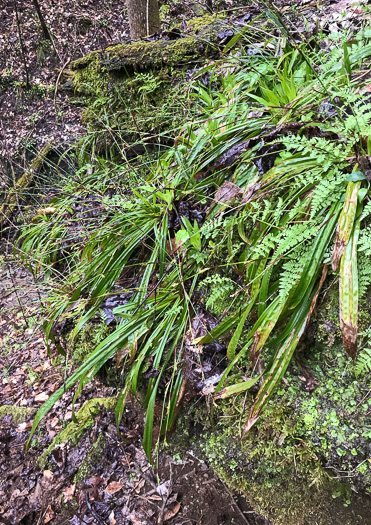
22,183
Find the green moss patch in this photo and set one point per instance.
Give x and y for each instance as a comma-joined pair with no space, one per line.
19,414
87,340
75,430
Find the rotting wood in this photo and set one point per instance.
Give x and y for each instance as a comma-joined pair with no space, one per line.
22,183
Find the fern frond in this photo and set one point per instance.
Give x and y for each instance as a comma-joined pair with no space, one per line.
363,363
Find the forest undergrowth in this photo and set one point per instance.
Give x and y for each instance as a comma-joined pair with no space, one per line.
226,236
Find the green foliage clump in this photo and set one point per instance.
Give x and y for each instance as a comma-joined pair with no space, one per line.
299,190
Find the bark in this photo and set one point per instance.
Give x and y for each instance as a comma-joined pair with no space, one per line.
42,21
25,181
21,43
144,17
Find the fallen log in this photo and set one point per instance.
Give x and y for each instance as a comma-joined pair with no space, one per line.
16,193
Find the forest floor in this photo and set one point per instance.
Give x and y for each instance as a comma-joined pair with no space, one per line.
122,487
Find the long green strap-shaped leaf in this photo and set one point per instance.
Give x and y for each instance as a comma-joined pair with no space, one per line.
91,366
316,254
348,290
148,428
267,322
237,388
231,351
283,355
346,222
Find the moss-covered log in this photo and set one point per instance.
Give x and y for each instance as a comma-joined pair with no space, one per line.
16,193
201,39
75,430
18,414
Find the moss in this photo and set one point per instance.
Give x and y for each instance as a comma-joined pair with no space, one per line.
307,456
22,183
75,430
91,460
199,23
144,55
19,414
87,340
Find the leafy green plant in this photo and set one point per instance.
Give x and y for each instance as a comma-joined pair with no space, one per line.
300,188
363,363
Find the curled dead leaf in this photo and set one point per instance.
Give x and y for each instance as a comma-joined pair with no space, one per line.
227,192
49,515
171,513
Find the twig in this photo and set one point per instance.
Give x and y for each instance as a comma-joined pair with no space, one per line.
17,296
93,512
57,82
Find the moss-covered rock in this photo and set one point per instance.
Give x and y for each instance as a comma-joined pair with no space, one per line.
75,430
19,414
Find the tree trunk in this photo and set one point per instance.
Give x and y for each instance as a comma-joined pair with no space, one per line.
144,17
42,21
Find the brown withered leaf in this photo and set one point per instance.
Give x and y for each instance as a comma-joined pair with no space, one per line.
171,513
68,493
349,334
46,211
24,426
227,192
172,246
49,515
114,487
40,398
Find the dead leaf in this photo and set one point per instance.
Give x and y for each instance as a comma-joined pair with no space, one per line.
111,518
23,426
41,398
155,497
113,487
49,515
172,246
68,493
46,211
139,485
171,513
135,520
48,474
54,422
227,192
